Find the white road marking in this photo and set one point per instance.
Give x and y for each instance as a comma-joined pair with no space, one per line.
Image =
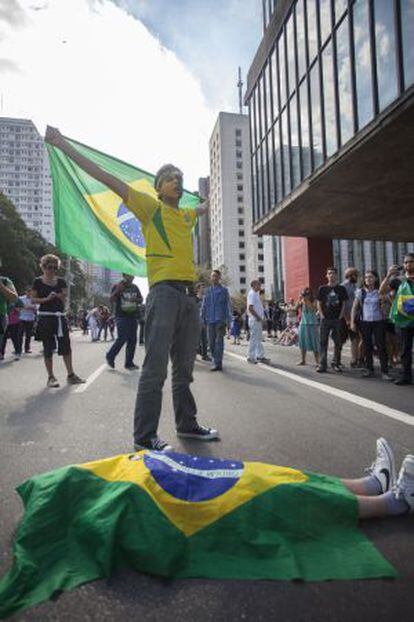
82,387
343,395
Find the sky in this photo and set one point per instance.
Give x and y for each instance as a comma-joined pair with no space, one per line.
143,80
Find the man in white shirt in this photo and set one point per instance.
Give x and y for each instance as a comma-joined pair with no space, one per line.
256,314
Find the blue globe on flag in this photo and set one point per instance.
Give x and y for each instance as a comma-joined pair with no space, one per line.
193,478
130,226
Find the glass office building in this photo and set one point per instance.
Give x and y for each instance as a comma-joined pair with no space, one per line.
325,70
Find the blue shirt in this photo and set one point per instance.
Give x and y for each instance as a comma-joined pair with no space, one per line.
216,306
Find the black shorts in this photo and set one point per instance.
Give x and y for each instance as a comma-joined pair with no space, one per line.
47,332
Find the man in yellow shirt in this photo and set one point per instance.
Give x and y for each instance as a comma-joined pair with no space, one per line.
172,324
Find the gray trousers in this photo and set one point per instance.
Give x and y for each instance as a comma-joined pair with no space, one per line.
172,328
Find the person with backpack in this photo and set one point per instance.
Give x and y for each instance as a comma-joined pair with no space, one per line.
402,312
367,315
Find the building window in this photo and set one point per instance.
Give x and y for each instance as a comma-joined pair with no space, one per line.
239,176
241,244
240,210
407,27
385,52
261,268
346,113
242,268
329,101
242,256
241,222
316,116
238,143
239,154
239,199
260,257
241,233
363,67
243,281
238,132
240,187
239,164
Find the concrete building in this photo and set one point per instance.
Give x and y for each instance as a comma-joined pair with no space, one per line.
99,280
202,237
232,243
25,175
330,94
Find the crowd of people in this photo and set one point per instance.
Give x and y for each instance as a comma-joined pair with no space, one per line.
375,318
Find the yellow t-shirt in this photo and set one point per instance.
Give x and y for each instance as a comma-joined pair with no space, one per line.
168,236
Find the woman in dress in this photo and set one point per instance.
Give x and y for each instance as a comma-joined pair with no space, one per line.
308,327
49,292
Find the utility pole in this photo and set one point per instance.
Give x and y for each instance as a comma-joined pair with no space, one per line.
240,87
68,278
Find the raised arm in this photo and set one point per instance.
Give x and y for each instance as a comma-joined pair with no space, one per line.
55,138
9,293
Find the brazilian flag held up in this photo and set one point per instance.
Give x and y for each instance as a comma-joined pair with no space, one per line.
177,515
91,221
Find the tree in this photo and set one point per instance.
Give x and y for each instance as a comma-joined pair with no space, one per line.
20,251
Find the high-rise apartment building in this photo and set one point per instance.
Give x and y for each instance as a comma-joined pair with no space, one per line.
25,175
202,241
232,243
331,104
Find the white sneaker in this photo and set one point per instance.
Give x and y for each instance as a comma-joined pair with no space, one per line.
52,383
383,468
404,488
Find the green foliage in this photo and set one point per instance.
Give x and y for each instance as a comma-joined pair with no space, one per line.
239,302
20,251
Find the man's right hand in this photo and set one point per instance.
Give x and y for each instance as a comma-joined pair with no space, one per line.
393,270
53,136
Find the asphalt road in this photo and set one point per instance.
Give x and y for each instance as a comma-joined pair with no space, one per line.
262,414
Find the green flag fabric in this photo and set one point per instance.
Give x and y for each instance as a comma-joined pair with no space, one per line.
92,222
177,515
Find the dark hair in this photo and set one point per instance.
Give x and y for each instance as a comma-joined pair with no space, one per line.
308,292
332,269
164,171
375,274
409,255
216,272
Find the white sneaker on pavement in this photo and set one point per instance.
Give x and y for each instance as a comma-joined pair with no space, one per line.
383,467
404,488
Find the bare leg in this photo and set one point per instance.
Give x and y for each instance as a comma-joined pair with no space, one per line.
316,354
67,359
49,366
372,507
368,507
303,359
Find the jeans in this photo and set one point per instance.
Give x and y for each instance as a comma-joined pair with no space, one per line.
256,349
26,330
376,330
333,328
203,347
126,333
216,342
172,328
12,331
407,338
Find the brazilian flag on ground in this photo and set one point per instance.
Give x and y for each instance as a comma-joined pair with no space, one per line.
177,515
92,222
